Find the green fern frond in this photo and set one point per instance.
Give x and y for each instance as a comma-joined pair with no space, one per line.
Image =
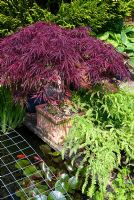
99,137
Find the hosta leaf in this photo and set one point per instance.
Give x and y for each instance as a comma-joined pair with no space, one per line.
129,29
62,186
22,163
104,36
112,35
56,195
131,40
131,61
73,183
120,49
64,177
124,38
130,54
130,46
113,42
118,38
40,197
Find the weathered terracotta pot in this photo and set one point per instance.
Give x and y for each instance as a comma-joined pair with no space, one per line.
54,128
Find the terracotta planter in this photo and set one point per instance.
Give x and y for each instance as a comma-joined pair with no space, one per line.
53,128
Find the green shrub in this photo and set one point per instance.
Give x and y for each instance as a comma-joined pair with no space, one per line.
123,41
101,137
99,15
8,24
82,13
18,13
16,8
36,13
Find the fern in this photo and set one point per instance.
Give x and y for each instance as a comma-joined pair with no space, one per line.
110,109
123,186
101,139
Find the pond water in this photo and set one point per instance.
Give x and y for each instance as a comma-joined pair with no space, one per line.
51,159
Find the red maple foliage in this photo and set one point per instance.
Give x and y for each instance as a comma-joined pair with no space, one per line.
43,60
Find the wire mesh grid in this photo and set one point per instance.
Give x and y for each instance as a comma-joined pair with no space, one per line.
13,179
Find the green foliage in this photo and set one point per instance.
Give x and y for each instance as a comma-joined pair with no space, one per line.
112,109
34,185
118,11
99,15
82,13
8,24
123,42
18,13
11,113
22,163
66,184
16,8
122,186
100,136
36,13
56,195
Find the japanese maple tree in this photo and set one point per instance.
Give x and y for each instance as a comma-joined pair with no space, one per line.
44,56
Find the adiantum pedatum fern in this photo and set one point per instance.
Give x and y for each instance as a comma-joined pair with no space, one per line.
99,137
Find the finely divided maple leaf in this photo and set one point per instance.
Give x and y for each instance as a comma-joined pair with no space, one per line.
44,60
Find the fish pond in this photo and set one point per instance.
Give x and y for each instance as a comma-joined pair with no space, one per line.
30,169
